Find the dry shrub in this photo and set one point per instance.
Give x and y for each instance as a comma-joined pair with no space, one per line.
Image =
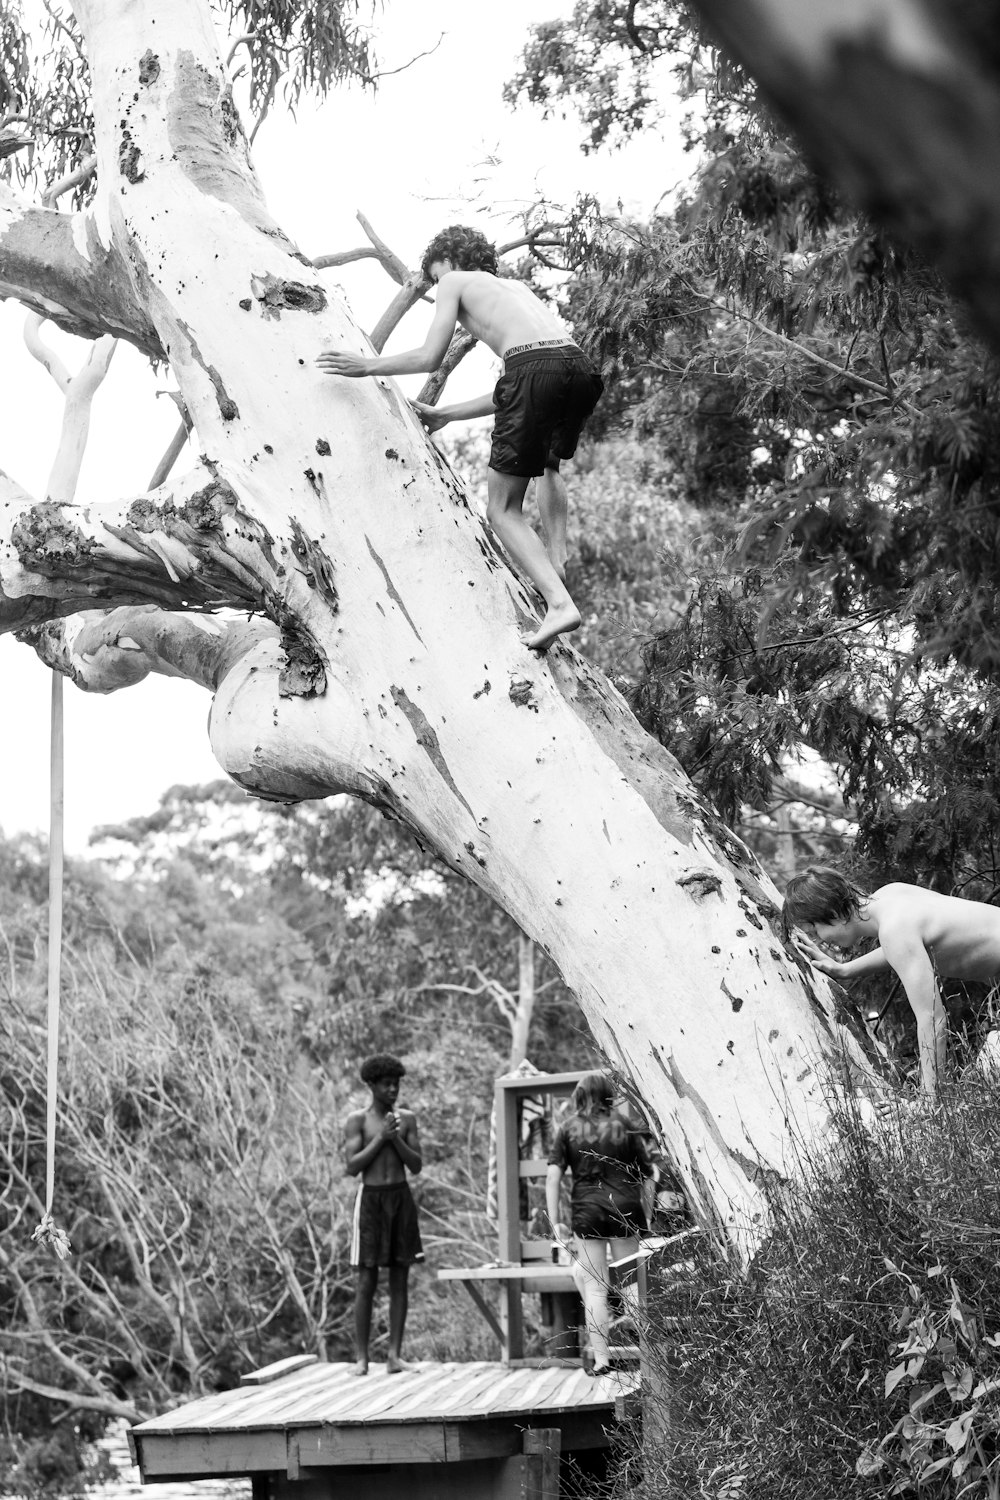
859,1355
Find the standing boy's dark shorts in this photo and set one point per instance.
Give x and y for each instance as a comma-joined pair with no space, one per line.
386,1232
542,399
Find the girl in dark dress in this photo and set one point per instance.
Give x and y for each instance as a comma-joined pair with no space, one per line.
610,1199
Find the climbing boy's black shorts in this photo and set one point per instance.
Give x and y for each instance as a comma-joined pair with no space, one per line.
386,1232
542,399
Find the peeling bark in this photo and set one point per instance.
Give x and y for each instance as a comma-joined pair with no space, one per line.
58,265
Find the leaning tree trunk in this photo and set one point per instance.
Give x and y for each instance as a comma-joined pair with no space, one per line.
384,658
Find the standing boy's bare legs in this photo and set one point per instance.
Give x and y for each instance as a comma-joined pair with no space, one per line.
553,506
364,1296
506,495
399,1301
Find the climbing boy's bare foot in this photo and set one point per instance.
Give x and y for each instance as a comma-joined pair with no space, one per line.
396,1366
361,1368
559,620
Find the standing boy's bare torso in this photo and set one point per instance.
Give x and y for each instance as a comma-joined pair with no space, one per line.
365,1126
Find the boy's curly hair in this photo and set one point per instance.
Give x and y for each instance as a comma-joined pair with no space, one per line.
381,1065
466,248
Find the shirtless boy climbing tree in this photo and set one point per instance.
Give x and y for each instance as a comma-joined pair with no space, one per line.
380,1143
546,393
921,934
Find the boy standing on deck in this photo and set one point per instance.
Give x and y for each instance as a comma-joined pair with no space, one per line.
380,1142
546,393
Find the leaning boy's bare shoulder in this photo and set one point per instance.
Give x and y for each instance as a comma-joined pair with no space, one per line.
355,1120
898,895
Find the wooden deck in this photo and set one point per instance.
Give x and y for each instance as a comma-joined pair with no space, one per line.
320,1417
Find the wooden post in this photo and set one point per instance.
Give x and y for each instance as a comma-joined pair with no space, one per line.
508,1220
654,1380
541,1447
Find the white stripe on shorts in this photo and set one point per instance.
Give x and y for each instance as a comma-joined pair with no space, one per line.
356,1228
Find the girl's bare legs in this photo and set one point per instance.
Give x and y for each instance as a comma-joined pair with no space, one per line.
628,1291
590,1272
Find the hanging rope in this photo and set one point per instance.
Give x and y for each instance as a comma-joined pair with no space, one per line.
48,1232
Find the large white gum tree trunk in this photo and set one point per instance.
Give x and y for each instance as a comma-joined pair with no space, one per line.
384,656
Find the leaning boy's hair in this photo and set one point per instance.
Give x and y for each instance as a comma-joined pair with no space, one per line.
467,249
381,1065
820,894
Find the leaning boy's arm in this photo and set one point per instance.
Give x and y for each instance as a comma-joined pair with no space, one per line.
407,1143
874,962
843,970
411,361
907,955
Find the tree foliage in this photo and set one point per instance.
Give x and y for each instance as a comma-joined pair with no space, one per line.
45,79
859,1354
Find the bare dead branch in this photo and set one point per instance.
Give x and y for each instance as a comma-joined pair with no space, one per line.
413,290
462,342
109,1405
73,179
392,72
344,257
397,269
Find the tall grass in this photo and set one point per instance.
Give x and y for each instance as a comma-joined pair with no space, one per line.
860,1352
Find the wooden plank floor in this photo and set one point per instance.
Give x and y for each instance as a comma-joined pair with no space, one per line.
324,1394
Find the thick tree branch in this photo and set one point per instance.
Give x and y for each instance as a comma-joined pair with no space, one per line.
104,651
188,548
57,265
17,1380
414,288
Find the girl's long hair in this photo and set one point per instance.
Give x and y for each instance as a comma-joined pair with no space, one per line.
593,1118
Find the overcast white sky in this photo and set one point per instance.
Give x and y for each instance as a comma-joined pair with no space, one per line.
436,145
